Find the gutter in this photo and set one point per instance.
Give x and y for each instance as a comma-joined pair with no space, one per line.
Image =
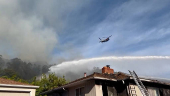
142,79
19,86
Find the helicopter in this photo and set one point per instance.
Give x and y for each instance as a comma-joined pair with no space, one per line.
105,40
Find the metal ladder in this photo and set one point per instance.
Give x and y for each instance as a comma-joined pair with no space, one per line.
139,83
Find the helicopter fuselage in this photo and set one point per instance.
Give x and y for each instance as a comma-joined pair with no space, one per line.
104,40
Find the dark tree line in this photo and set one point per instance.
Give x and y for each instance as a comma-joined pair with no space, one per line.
18,70
23,70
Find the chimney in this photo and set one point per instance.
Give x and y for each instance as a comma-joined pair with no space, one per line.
85,74
107,69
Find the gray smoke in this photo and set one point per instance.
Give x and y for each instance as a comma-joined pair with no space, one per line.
29,28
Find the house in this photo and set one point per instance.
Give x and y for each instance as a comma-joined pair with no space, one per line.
109,83
13,88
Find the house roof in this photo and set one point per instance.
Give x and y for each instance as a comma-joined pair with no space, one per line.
118,76
155,81
115,77
12,83
112,77
7,81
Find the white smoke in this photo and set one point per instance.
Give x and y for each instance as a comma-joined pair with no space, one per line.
24,36
29,28
154,66
83,61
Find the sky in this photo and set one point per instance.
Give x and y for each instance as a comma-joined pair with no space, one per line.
59,31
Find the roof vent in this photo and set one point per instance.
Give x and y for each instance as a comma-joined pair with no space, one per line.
84,74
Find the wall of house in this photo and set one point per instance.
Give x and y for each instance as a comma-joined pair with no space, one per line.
13,94
98,89
133,90
8,91
89,88
153,90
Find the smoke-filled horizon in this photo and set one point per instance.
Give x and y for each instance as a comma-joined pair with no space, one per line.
57,31
151,66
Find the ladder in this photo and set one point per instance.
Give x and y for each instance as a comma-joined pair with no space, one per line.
139,83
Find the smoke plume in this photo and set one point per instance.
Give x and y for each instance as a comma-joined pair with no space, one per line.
29,29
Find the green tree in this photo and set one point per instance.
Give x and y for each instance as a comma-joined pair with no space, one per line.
2,62
7,72
48,82
15,78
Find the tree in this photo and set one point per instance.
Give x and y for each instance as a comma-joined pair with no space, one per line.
25,70
7,72
14,77
48,83
2,62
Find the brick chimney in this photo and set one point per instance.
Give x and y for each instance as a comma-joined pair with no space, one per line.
107,69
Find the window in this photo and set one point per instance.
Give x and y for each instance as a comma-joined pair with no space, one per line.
80,91
153,91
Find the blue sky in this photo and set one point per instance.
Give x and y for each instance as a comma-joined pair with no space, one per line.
56,31
137,28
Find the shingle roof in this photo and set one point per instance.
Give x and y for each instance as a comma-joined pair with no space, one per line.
7,81
117,76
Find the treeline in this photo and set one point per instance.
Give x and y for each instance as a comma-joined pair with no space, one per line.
23,70
26,72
